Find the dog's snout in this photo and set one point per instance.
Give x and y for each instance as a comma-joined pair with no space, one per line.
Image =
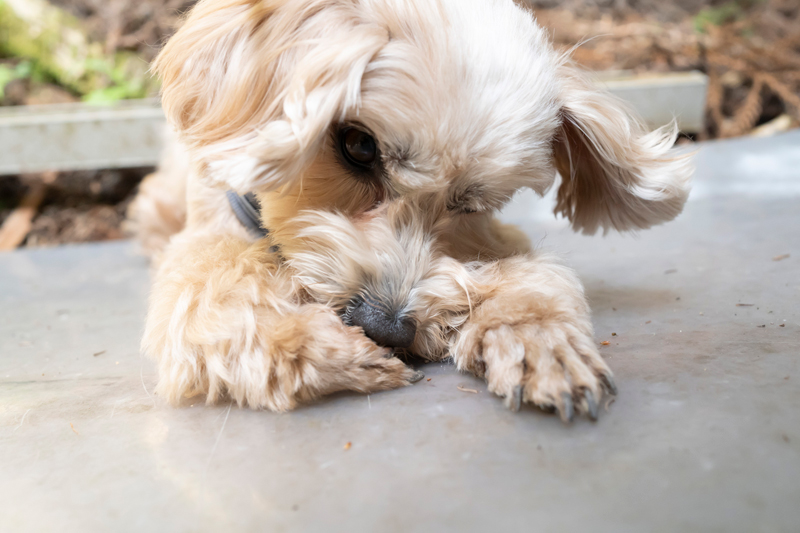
383,326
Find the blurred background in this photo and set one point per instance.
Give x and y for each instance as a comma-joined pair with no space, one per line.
97,52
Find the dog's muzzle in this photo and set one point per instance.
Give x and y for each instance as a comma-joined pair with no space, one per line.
382,325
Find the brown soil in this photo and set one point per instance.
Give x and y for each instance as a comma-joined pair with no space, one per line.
78,206
750,51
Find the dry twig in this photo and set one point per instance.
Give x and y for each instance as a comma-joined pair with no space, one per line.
18,224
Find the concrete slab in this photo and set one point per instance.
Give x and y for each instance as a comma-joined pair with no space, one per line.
705,435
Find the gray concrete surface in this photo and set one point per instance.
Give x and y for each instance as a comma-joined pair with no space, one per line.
704,436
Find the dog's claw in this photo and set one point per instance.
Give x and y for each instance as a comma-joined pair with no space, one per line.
418,375
608,383
516,398
568,411
591,403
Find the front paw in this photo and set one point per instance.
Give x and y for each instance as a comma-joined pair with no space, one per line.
553,366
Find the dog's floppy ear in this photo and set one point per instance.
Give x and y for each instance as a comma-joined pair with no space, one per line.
614,174
252,86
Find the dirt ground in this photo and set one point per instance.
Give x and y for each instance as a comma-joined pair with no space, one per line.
77,207
750,50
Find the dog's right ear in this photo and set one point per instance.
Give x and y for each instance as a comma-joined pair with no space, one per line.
614,175
252,86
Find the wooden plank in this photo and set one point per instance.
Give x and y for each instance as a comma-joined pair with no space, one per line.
129,134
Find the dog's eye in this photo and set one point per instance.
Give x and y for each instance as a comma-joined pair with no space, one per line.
358,147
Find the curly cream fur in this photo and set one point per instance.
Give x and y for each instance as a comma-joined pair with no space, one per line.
468,104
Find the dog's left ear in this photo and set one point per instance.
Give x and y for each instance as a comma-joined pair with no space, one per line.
614,175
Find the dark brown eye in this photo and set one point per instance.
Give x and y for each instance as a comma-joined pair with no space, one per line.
358,147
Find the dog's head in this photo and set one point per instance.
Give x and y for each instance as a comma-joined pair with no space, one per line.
452,106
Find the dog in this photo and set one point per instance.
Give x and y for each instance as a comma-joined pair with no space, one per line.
375,141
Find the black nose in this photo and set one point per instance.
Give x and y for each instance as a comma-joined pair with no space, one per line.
382,326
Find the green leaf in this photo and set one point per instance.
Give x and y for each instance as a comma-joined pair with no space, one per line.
6,75
9,73
107,95
717,16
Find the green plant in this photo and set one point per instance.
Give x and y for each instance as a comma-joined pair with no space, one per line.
717,16
9,73
122,82
56,45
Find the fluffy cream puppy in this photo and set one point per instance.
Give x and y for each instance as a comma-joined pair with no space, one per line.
380,138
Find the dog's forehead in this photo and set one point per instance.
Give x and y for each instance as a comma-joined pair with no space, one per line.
463,88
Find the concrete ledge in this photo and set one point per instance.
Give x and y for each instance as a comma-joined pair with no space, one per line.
80,136
658,98
128,134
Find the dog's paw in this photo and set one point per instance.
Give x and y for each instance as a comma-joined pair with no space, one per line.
555,367
372,368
